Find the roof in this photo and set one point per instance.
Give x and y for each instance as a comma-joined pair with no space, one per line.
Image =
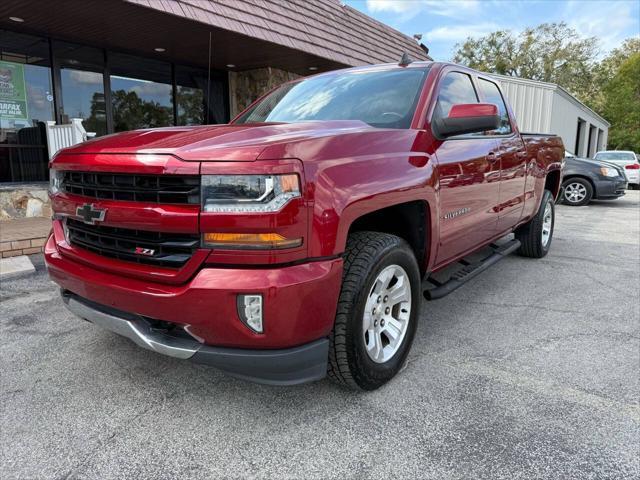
550,86
325,28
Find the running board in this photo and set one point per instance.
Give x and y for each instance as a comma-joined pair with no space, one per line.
469,271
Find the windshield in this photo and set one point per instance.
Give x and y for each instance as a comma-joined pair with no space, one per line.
381,98
615,156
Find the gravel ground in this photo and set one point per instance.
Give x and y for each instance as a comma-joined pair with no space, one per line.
529,371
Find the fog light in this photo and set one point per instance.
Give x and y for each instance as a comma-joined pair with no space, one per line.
250,311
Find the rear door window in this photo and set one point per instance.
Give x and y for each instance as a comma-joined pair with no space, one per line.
491,94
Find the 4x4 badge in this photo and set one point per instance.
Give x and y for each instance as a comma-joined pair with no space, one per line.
91,214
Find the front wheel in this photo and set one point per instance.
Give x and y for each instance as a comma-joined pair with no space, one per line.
377,311
535,236
576,192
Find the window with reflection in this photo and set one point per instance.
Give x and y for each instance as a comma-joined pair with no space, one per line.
491,94
26,100
140,93
455,88
82,85
191,85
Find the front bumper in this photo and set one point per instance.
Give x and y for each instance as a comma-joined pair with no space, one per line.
610,188
633,176
298,312
290,366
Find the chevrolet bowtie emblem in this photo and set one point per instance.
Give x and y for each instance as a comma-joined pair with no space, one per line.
91,214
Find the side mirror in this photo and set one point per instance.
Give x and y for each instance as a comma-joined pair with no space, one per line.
468,118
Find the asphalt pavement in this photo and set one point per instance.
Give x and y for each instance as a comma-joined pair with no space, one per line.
531,370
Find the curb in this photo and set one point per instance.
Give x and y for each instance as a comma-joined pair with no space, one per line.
12,267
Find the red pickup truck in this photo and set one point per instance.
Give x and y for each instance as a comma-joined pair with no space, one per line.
298,240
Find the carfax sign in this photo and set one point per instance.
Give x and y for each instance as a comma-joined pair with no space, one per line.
13,94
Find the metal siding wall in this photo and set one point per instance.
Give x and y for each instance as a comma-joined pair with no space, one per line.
564,122
531,104
544,108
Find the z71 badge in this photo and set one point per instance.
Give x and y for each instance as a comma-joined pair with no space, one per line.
144,251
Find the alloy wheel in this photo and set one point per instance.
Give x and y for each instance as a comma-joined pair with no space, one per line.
575,192
386,314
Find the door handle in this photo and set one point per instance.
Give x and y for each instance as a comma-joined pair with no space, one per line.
491,157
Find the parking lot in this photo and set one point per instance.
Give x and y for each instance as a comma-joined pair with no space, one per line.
531,370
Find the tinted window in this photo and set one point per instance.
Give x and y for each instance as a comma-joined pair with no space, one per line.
384,99
455,88
26,100
140,93
82,85
491,94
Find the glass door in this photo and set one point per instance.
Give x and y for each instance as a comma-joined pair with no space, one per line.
82,86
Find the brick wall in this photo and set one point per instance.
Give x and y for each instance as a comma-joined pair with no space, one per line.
247,86
23,236
22,247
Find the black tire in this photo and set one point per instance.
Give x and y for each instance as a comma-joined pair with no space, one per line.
566,198
530,234
366,255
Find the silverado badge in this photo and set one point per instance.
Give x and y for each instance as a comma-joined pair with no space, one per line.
90,214
456,213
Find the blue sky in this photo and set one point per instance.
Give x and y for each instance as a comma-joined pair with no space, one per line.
443,23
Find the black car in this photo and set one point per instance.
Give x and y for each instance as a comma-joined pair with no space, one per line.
585,180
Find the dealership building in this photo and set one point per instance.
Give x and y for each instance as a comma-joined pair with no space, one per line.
126,64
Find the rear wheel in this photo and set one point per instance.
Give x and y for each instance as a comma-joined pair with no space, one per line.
576,192
535,236
377,311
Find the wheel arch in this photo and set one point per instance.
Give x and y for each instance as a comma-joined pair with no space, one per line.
552,183
409,220
583,177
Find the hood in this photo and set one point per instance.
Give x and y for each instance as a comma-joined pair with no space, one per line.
591,162
215,142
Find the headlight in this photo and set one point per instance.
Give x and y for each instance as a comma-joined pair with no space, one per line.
55,180
608,172
248,193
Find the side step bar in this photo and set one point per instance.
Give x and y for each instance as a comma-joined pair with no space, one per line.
469,271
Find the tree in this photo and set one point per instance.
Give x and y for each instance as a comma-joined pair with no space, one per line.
621,105
606,70
551,52
131,112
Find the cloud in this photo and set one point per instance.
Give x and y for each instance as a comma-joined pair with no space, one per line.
611,22
151,88
395,6
85,78
408,9
459,33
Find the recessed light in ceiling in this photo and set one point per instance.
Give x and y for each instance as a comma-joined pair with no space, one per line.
160,49
313,69
16,19
230,65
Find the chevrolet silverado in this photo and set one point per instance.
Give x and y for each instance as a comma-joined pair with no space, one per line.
298,240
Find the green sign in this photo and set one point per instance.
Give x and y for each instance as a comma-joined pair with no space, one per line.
13,92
